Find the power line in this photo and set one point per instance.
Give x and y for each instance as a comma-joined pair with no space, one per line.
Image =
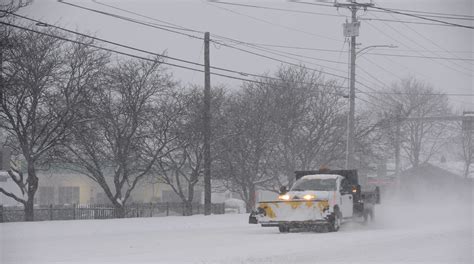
274,24
405,67
405,21
279,53
427,50
172,25
146,24
432,42
427,14
148,59
371,103
422,17
133,48
295,47
434,13
433,16
277,9
161,27
469,72
427,94
422,57
330,4
193,36
243,50
175,26
179,66
338,51
438,22
358,82
278,60
174,65
398,41
382,68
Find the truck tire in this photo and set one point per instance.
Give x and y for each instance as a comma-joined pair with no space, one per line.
369,213
335,222
284,229
366,216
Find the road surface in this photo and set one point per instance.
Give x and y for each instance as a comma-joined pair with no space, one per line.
401,234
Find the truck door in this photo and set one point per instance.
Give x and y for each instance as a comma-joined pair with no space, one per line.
346,202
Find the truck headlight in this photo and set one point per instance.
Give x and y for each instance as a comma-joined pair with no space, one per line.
309,197
284,197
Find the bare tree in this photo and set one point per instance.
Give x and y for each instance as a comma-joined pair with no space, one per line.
412,101
243,162
129,115
294,120
11,6
182,167
310,117
467,149
43,89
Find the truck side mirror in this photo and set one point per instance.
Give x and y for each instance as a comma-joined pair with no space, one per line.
283,190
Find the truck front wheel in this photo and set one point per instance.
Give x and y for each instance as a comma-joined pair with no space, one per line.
284,229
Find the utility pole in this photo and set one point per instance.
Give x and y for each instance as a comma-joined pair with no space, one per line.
352,30
207,127
2,88
351,127
397,139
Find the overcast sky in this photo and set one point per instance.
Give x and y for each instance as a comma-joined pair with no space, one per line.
319,28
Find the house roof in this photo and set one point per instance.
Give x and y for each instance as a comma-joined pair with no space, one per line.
428,170
457,167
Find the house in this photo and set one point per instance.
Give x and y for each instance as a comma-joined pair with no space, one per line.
63,187
428,181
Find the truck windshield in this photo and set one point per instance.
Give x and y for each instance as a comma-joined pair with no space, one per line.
314,185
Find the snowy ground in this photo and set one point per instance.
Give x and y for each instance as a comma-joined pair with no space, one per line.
432,234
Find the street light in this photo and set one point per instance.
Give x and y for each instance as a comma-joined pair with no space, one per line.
376,46
41,24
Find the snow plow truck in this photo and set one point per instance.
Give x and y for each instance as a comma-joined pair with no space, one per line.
318,199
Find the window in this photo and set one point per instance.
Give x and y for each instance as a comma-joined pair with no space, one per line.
314,185
345,186
68,195
46,195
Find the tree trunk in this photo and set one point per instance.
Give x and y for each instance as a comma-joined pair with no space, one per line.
290,175
188,208
32,188
252,199
466,169
119,210
29,211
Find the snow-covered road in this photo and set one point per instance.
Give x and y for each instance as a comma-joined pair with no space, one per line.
433,234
